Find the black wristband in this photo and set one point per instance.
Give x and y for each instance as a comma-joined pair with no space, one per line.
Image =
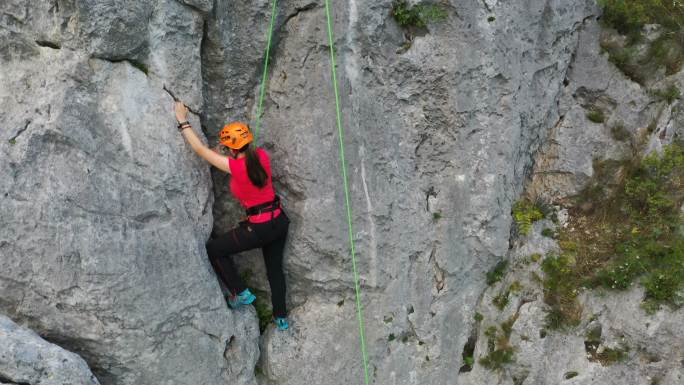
181,124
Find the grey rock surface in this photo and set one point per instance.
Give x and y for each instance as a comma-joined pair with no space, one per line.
653,350
25,358
568,160
105,210
438,140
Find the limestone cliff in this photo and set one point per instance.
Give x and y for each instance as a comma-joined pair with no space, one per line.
105,210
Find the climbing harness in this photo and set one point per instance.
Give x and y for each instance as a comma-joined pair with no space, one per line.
276,203
340,132
268,207
264,207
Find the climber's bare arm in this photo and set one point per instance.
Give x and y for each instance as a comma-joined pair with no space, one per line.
210,155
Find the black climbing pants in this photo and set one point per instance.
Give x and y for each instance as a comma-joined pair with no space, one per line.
270,237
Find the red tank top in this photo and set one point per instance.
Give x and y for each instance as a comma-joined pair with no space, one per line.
246,192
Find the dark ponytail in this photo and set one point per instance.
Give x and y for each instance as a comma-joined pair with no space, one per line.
255,171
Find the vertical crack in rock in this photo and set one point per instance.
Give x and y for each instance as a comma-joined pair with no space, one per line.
299,10
439,273
20,131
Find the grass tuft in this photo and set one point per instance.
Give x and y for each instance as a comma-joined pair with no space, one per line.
596,115
629,17
633,234
619,132
670,94
525,213
501,300
500,352
417,16
496,274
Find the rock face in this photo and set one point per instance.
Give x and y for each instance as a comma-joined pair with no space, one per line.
566,162
105,210
650,352
438,139
25,358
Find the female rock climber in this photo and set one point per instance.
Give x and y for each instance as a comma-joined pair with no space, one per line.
266,224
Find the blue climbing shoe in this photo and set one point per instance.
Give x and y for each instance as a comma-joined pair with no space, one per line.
281,323
244,298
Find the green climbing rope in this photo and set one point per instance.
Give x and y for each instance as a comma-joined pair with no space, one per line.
340,131
264,76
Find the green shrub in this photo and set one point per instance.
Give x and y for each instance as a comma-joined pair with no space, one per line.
667,51
496,274
596,115
515,287
547,232
594,334
525,213
417,16
619,132
263,309
631,15
500,352
634,235
670,94
610,356
501,300
627,61
561,284
628,17
497,359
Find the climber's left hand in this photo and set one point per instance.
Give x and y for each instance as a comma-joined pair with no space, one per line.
181,112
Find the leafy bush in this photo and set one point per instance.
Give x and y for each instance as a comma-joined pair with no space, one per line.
636,232
496,359
670,94
501,300
619,132
596,115
560,291
496,274
630,15
417,16
500,351
525,213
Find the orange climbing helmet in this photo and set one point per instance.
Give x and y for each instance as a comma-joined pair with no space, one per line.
235,135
